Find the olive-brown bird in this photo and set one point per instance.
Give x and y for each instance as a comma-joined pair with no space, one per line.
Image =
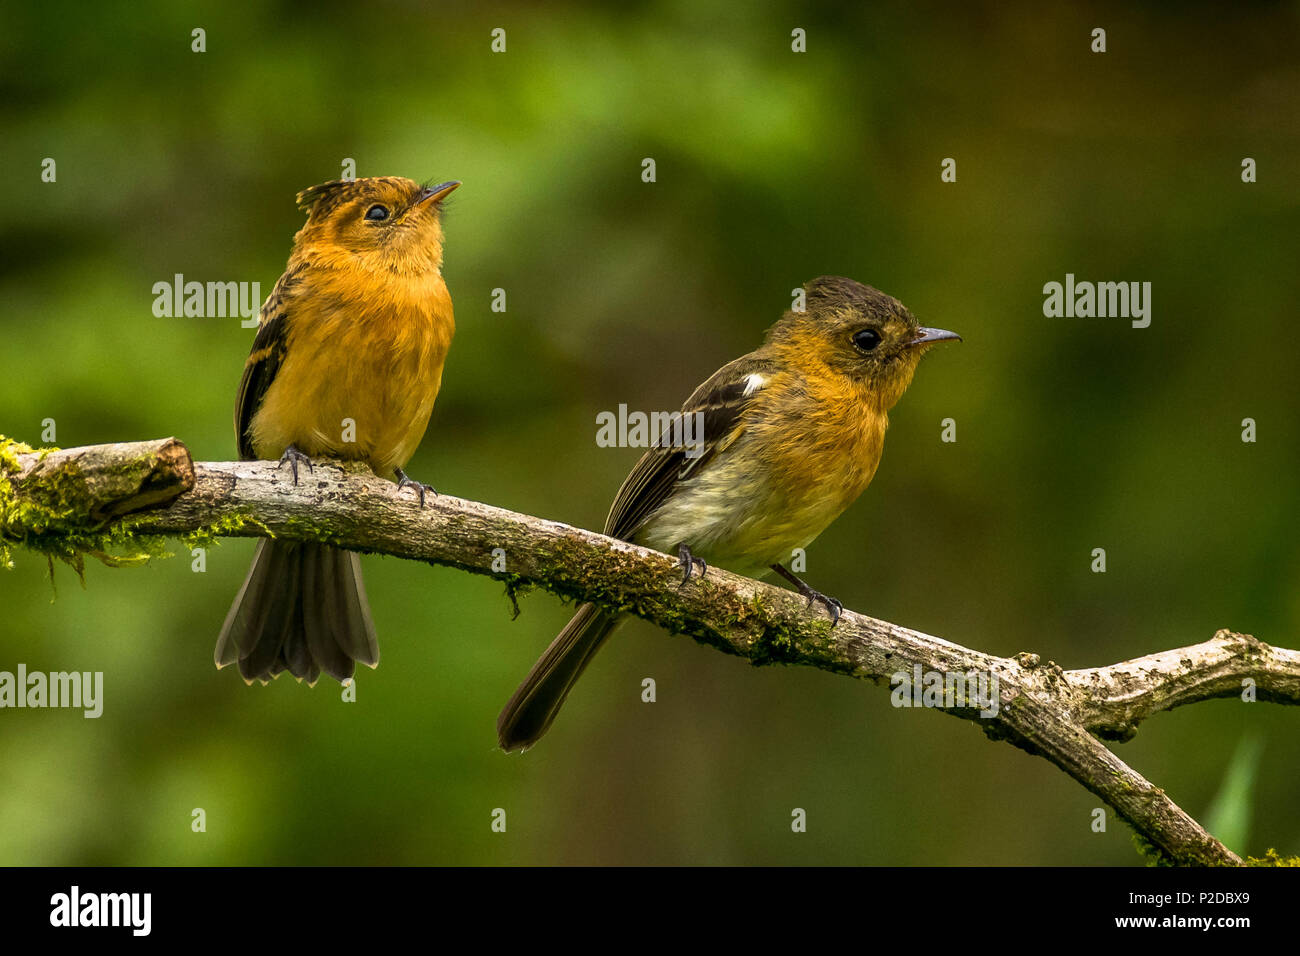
347,362
792,434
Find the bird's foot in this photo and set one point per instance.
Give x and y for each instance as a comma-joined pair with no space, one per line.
688,562
403,481
833,607
293,456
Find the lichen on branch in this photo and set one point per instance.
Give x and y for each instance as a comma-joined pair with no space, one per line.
128,497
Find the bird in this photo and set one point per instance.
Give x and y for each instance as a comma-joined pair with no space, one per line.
347,363
792,435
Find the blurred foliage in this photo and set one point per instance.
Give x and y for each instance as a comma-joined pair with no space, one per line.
773,167
1229,813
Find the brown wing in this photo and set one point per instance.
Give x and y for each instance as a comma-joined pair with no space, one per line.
264,359
721,401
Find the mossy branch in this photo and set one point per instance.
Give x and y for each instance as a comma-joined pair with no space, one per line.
110,498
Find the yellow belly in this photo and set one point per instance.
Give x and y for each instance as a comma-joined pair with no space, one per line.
357,382
776,488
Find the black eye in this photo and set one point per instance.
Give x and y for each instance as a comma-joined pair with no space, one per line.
377,213
867,339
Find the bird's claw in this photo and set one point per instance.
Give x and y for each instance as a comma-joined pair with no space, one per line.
293,456
403,481
687,561
833,607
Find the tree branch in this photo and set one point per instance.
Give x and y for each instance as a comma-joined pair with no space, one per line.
94,498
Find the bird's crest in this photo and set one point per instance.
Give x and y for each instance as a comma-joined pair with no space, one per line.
324,196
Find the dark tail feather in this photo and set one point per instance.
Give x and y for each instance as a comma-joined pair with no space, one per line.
534,705
302,609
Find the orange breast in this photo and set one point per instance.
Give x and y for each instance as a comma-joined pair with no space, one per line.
362,369
806,450
830,440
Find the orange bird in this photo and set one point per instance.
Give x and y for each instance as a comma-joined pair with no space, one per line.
347,363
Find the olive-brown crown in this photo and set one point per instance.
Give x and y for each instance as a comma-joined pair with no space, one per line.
855,331
385,223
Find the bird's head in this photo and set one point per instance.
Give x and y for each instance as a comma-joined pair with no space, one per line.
859,332
383,224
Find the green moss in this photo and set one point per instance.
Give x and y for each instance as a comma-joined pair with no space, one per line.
49,521
571,570
1150,852
515,586
1157,857
1273,858
9,452
567,566
227,526
48,517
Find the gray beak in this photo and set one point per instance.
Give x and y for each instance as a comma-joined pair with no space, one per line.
437,193
925,336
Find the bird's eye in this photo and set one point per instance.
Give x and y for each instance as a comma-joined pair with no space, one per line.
866,340
377,213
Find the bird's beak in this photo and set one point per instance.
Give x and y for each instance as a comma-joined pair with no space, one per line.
437,193
926,336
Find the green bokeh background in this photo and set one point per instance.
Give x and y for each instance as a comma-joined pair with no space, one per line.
772,167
